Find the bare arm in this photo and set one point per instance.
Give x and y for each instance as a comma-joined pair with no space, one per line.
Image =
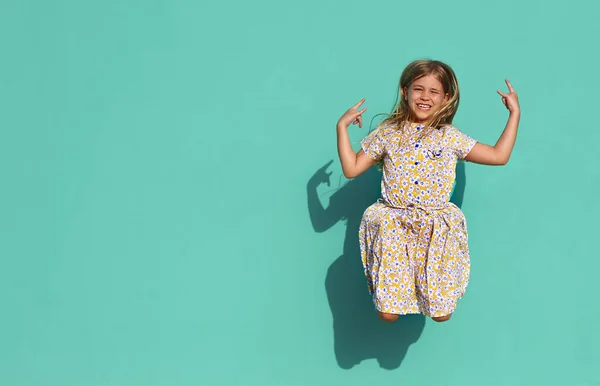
499,154
353,164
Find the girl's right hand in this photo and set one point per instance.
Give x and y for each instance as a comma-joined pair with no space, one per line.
352,116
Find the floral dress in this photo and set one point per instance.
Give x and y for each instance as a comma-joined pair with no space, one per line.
413,241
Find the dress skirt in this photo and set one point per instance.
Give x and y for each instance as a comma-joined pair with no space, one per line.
416,259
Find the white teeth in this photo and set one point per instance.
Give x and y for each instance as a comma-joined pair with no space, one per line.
424,106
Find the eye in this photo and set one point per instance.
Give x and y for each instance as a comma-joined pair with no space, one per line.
435,92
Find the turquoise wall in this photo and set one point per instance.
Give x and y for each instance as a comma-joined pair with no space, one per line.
170,214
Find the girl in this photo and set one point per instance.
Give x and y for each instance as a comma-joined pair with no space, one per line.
413,240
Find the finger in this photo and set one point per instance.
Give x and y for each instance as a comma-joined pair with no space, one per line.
358,113
360,122
502,94
510,87
359,103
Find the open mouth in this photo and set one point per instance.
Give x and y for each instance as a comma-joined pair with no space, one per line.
423,107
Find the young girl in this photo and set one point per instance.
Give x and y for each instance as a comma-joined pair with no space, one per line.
413,240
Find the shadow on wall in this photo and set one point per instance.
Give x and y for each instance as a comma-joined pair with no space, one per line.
359,334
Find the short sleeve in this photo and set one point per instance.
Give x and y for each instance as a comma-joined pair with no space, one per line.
460,143
374,144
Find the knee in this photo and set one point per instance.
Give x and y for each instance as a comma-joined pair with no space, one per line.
442,318
388,317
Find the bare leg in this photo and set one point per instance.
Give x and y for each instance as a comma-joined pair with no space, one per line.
388,317
442,318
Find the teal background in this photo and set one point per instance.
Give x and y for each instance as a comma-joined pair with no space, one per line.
166,220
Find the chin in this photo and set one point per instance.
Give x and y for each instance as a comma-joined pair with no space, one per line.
422,119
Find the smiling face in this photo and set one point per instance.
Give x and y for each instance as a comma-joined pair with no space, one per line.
425,96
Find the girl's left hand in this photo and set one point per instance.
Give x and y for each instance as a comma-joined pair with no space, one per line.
510,100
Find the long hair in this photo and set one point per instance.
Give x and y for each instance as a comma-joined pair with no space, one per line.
402,114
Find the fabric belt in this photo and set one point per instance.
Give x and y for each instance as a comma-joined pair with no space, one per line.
413,206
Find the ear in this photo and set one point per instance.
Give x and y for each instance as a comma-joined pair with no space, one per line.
446,98
405,93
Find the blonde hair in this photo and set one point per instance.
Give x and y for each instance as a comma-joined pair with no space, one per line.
402,113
